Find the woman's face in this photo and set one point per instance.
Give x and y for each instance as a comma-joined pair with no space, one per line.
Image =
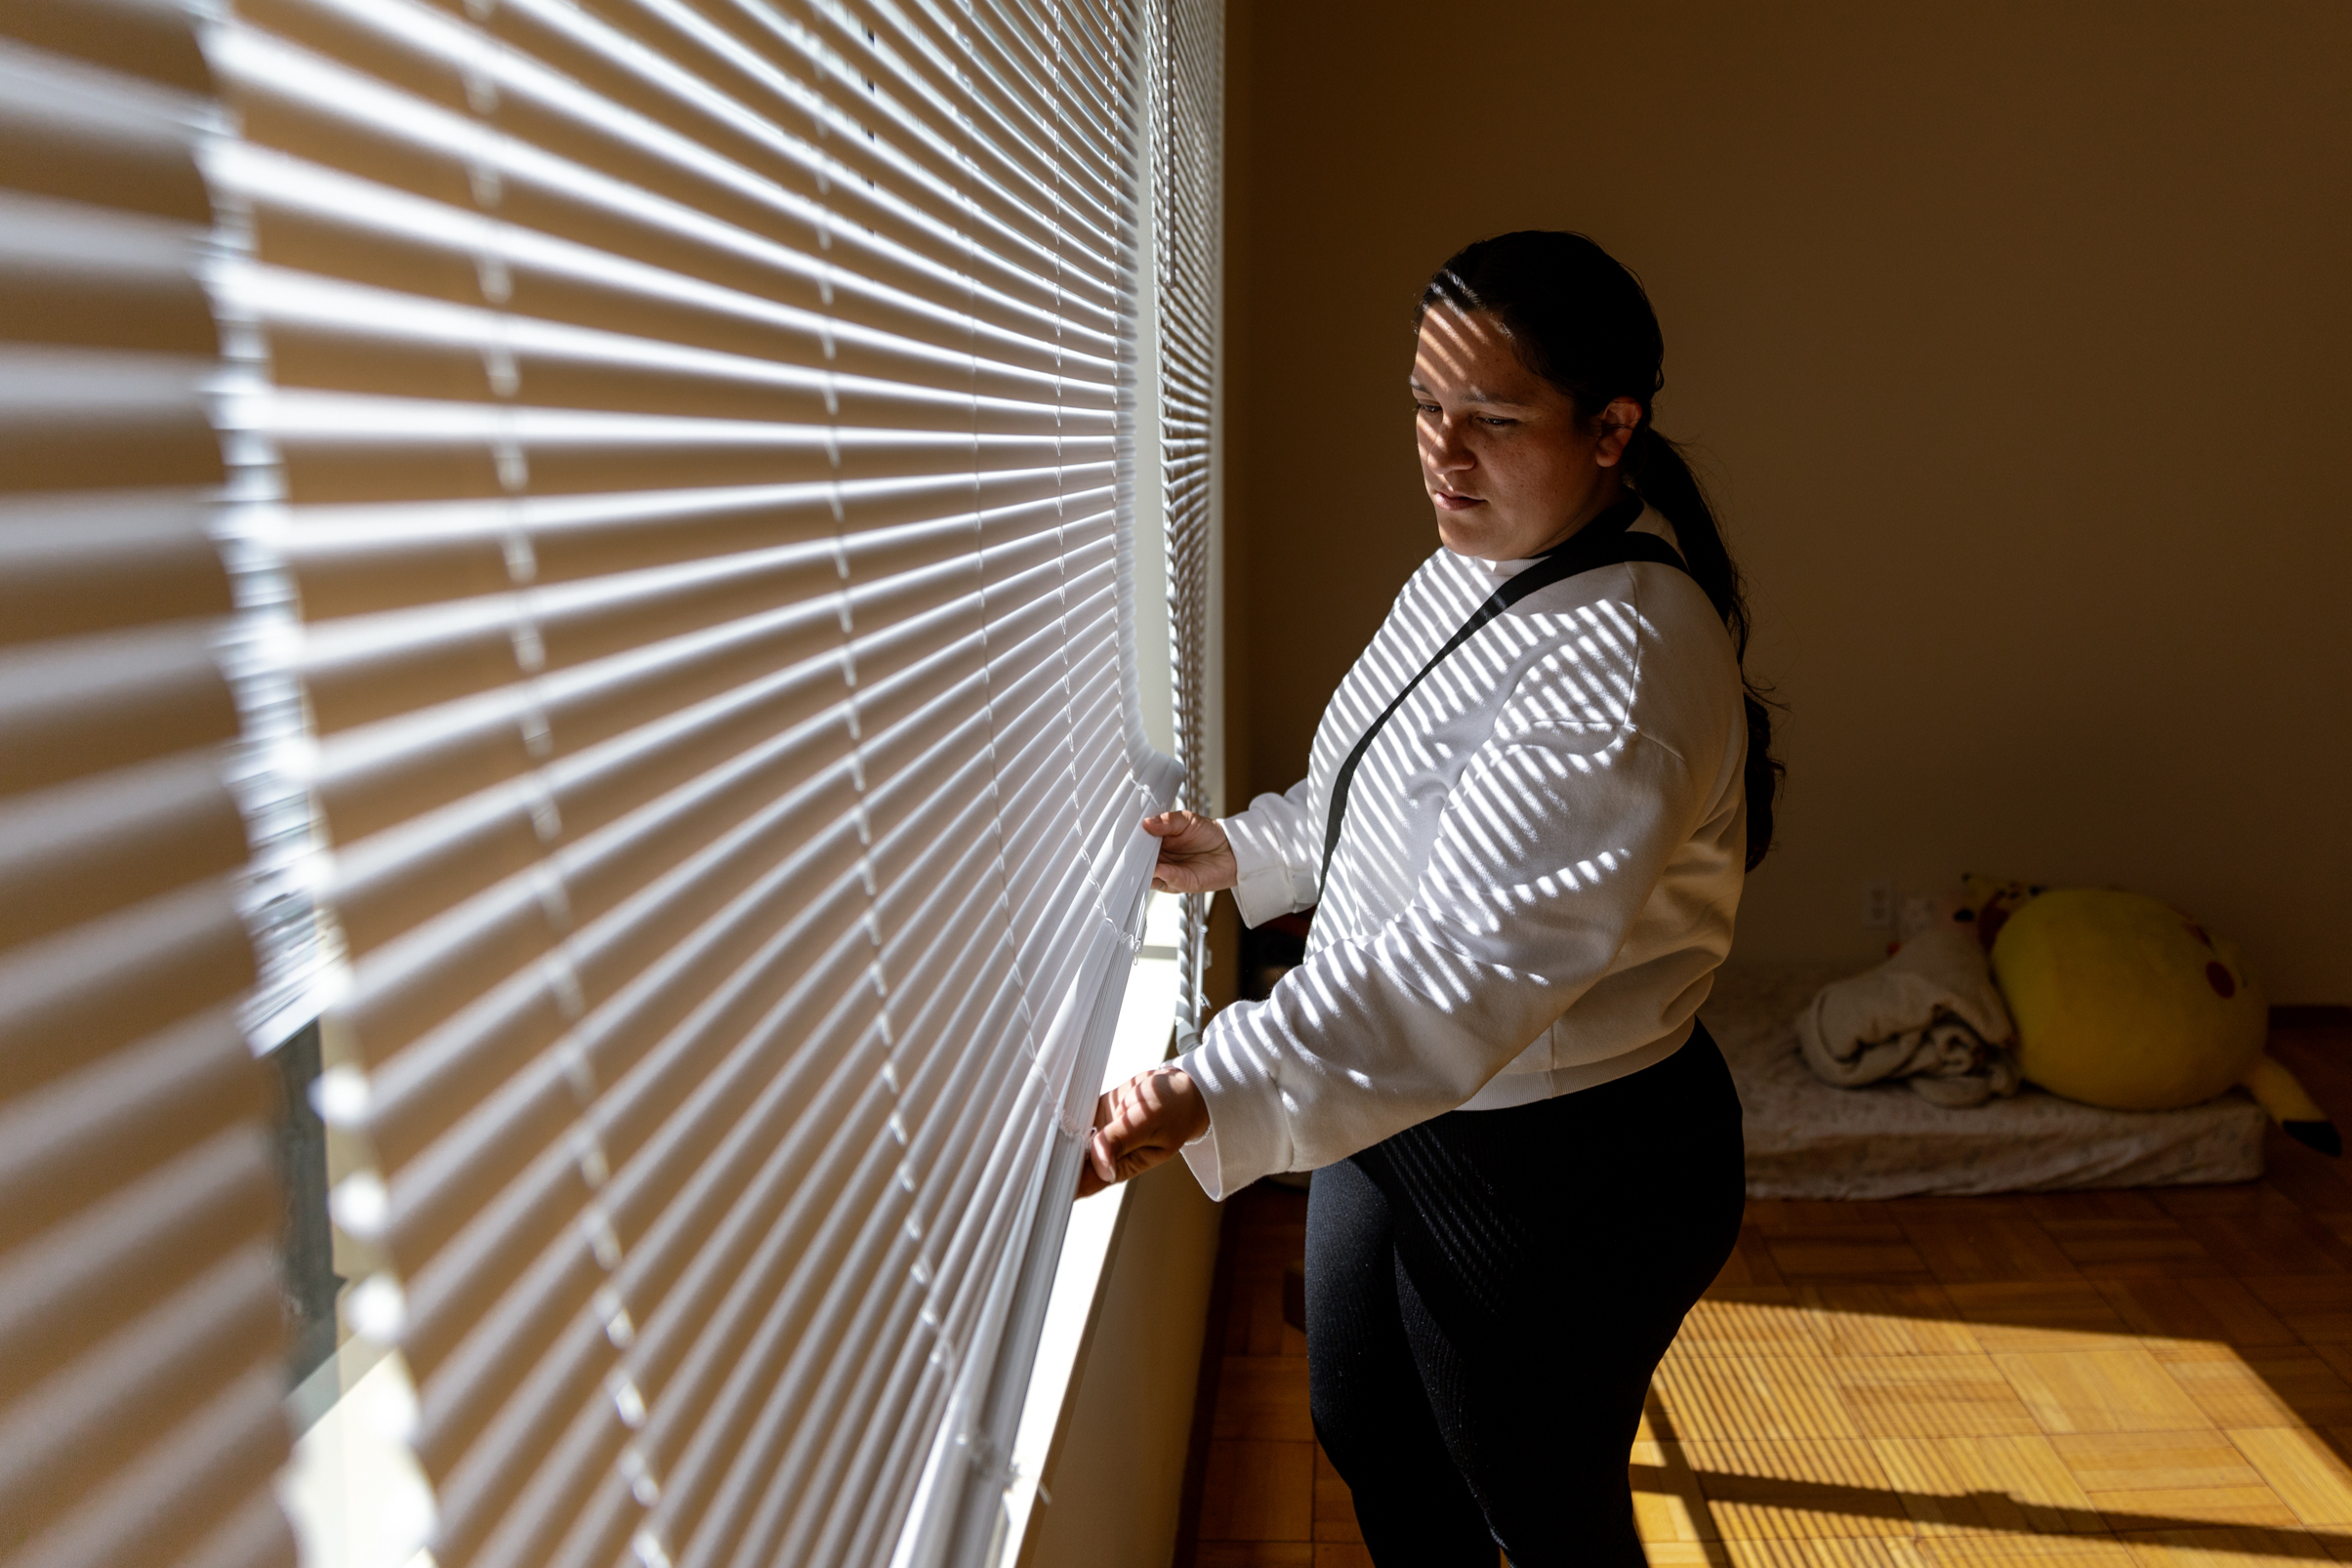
1510,466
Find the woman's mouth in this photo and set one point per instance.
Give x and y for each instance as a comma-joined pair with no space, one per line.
1454,501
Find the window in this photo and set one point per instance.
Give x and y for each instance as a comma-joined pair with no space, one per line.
641,540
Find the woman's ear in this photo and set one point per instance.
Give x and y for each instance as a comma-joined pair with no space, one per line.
1617,423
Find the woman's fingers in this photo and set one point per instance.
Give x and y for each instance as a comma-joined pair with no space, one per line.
1195,856
1184,832
1109,1162
1176,879
1140,1124
1098,1170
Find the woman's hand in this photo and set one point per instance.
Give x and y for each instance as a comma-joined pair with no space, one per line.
1195,856
1140,1124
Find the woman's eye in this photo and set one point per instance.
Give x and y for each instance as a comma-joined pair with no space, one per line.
1425,408
1496,421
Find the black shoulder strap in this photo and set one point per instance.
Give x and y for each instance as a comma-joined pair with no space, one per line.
1605,541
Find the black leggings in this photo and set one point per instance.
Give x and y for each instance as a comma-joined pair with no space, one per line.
1487,1295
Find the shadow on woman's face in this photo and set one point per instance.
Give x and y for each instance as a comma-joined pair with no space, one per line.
1510,466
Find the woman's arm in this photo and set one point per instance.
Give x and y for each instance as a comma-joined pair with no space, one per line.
1548,850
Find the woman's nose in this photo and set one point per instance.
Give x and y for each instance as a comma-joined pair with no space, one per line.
1442,446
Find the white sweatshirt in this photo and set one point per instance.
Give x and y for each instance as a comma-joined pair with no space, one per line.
1543,855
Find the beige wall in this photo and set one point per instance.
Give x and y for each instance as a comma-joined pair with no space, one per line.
2015,339
1116,1472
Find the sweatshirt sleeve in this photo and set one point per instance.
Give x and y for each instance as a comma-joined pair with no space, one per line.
1546,851
1278,853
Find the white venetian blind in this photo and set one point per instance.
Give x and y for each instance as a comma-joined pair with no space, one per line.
700,430
140,1307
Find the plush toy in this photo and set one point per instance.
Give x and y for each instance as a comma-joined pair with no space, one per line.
2120,1000
1986,906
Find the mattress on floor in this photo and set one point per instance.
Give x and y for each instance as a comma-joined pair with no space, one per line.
1806,1140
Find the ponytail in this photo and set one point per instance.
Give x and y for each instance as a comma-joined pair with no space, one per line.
1662,477
1581,320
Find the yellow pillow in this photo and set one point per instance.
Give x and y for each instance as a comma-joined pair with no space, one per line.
2121,1000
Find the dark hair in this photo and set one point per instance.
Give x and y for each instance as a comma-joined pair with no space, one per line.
1580,319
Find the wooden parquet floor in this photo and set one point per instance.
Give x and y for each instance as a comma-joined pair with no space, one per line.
2157,1378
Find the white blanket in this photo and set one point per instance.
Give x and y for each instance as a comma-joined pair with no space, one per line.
1808,1140
1929,1016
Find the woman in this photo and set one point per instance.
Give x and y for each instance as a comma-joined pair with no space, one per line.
1524,831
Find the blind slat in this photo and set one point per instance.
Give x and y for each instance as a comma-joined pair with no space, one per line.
91,569
76,851
73,706
80,1137
68,1436
84,1280
87,277
256,1536
340,455
356,560
210,1473
132,38
687,385
75,131
72,997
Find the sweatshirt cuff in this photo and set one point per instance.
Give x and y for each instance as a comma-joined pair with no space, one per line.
1245,1137
1262,888
1201,1156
